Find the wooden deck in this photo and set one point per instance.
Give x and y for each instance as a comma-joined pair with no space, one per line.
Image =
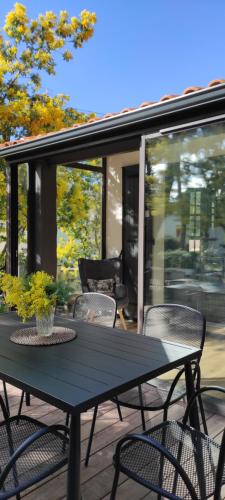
97,477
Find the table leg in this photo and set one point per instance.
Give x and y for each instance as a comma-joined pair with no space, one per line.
73,481
194,422
190,388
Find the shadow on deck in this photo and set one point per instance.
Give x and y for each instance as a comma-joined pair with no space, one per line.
97,477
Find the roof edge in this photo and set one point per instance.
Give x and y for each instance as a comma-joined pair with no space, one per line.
165,106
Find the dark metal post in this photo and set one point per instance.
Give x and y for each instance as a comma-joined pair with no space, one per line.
31,219
45,218
104,187
12,220
73,484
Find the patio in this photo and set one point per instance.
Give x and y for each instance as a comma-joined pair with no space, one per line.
97,477
171,252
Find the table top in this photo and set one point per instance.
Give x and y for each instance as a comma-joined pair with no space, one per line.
99,364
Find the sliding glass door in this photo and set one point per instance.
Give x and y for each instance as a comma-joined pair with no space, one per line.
184,228
185,220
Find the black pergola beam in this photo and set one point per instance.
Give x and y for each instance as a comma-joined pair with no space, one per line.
104,206
43,216
31,219
12,221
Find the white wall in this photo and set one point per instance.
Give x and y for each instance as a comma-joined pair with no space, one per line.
114,214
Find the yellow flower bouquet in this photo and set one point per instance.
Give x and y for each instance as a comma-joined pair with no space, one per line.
34,295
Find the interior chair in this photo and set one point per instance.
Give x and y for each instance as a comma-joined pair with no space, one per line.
105,276
175,323
173,459
98,309
30,452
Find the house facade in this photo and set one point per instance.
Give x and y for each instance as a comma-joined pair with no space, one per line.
163,197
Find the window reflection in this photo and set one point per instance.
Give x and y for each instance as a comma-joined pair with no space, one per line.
185,222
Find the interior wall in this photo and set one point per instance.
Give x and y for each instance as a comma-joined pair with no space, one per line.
114,205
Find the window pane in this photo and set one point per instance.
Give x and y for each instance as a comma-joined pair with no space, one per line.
3,216
185,229
79,212
22,218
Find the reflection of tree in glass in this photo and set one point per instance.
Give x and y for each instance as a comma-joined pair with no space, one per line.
22,217
2,215
183,163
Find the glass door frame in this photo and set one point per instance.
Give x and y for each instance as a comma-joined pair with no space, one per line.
141,227
141,221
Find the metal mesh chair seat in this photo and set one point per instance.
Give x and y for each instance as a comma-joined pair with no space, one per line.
160,389
41,458
196,453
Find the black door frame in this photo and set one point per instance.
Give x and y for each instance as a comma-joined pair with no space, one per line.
134,166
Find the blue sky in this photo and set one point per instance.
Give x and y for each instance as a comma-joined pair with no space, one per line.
141,50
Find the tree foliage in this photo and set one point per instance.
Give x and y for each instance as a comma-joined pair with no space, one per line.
78,216
28,48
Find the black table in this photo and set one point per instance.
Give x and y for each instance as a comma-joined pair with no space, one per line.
99,364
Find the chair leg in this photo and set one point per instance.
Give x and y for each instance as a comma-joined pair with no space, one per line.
91,436
165,413
67,420
119,410
115,484
6,398
122,319
202,413
141,408
65,433
21,404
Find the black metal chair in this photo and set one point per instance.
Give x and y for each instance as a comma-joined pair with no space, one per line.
94,307
173,459
30,452
94,275
175,323
99,309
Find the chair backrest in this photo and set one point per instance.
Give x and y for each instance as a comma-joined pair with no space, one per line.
176,323
100,270
95,308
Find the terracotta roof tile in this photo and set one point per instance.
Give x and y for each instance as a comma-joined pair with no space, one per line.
216,82
108,115
189,90
168,97
94,119
144,104
126,110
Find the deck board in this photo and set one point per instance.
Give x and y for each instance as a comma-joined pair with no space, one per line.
97,477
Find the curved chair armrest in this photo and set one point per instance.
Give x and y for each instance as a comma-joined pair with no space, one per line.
28,442
3,408
151,442
196,374
197,394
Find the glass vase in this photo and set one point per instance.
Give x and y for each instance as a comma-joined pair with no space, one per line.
44,325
